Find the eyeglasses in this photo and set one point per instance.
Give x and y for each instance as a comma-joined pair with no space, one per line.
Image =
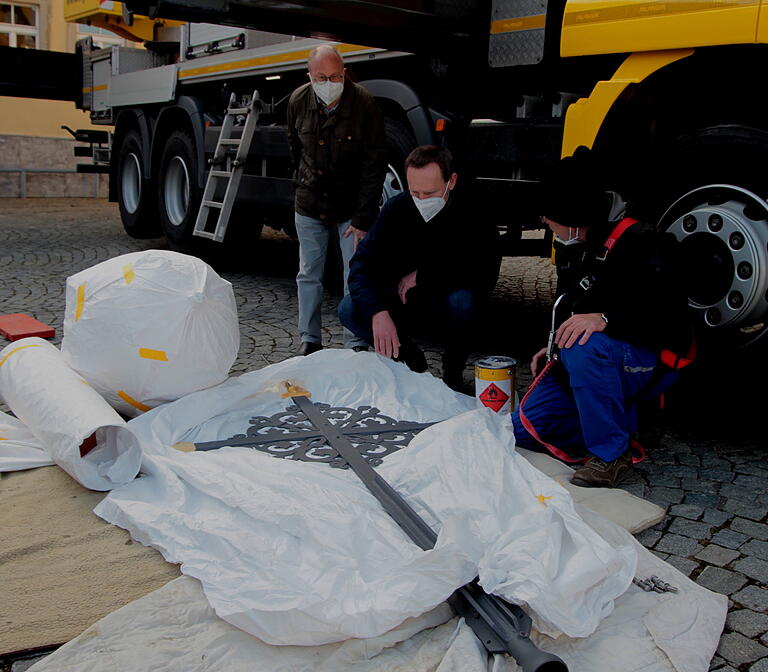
322,79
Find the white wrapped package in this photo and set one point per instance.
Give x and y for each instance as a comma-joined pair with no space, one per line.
79,430
149,327
19,449
300,553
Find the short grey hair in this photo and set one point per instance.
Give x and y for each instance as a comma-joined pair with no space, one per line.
324,50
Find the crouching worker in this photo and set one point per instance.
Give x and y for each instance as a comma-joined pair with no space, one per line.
622,314
429,255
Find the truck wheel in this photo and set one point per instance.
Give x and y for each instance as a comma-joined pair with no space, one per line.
178,192
400,142
136,201
721,220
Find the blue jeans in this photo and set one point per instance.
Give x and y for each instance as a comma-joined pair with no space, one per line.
456,312
596,409
314,237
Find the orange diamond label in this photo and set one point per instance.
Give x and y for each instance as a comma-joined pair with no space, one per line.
494,397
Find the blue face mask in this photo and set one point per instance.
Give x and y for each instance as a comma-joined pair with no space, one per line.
429,207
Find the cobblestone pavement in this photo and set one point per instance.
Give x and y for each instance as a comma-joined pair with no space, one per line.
707,457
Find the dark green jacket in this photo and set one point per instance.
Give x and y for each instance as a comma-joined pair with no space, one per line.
339,162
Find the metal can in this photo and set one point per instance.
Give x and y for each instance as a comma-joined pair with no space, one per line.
495,382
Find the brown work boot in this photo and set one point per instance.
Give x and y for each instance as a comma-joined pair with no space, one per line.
596,473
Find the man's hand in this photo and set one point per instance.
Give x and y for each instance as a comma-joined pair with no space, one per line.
408,282
385,338
359,234
537,361
583,325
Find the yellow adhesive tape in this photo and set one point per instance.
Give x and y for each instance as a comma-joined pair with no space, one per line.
128,399
128,274
293,390
492,374
80,301
184,446
158,355
2,438
21,347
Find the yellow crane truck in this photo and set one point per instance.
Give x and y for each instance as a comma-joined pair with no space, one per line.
666,92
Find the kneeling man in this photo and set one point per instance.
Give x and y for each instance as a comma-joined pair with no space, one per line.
429,254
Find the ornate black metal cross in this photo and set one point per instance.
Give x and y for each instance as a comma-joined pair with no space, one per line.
292,435
359,438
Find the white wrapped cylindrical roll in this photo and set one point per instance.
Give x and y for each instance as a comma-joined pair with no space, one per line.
78,428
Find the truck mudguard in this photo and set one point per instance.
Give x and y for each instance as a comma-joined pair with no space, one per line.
407,99
194,109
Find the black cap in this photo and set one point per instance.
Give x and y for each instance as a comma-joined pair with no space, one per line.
572,195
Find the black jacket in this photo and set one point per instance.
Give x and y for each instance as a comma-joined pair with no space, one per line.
456,249
339,161
638,286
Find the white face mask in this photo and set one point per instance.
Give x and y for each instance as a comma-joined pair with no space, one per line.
573,238
429,207
328,92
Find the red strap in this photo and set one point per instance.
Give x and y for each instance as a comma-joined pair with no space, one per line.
617,232
675,361
561,455
532,430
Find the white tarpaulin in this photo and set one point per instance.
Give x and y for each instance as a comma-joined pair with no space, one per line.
299,553
64,416
19,449
149,327
174,629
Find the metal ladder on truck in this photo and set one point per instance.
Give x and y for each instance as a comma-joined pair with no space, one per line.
231,152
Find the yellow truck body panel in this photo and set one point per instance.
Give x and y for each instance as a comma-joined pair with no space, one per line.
620,26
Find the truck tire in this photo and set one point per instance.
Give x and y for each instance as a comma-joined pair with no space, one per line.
178,193
135,199
400,142
719,214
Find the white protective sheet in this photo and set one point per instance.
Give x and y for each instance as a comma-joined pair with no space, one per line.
174,629
19,449
60,412
299,553
149,327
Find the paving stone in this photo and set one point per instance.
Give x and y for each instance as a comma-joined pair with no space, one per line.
754,483
757,548
665,496
738,650
702,486
648,537
764,639
721,580
716,663
661,555
24,665
703,499
751,528
717,555
752,597
745,510
716,517
687,511
685,565
749,623
754,568
760,666
690,528
739,492
729,538
678,545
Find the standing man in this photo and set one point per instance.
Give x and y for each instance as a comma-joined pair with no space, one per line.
431,254
623,309
336,133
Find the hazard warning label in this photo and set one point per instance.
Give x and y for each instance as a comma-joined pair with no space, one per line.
493,397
